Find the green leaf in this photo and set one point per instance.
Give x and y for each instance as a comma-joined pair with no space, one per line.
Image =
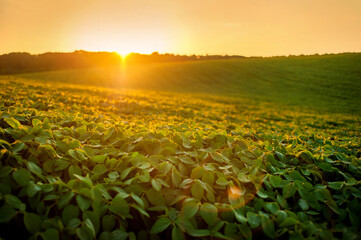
327,167
209,213
219,157
230,230
50,234
156,184
48,149
74,144
73,223
74,170
99,158
143,165
6,213
65,199
254,219
83,233
245,231
119,206
272,207
243,178
21,176
69,212
199,232
197,172
176,178
275,180
125,173
222,181
306,156
90,226
85,180
83,202
76,154
36,122
138,200
186,225
335,185
154,197
61,164
32,222
14,202
165,167
119,235
282,201
290,221
217,226
35,169
113,175
281,216
5,144
303,204
177,234
141,210
288,190
108,222
13,122
32,189
160,225
239,216
172,214
262,194
280,156
132,236
268,227
17,147
190,209
100,169
5,171
197,190
145,177
208,177
186,160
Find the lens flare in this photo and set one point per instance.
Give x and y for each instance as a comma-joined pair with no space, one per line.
234,193
235,197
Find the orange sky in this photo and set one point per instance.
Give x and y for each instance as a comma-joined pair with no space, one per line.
252,27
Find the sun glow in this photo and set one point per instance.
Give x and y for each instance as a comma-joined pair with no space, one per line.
123,43
123,56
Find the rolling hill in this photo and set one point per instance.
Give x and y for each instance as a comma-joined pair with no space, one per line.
329,83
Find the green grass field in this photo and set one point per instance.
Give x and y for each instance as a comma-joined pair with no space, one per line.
329,83
225,149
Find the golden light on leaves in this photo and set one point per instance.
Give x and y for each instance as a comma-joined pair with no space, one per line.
235,197
234,193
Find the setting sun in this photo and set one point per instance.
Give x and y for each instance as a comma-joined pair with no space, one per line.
120,45
123,46
150,36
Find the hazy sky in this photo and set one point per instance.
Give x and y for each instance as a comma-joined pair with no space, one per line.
252,27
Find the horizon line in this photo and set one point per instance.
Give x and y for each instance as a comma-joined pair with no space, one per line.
179,54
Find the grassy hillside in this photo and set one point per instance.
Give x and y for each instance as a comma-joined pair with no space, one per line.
329,83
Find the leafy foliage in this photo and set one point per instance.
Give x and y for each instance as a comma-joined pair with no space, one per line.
97,163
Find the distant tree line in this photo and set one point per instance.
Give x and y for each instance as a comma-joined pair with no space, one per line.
167,57
22,62
25,62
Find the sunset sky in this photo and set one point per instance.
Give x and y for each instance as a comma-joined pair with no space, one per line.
257,27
